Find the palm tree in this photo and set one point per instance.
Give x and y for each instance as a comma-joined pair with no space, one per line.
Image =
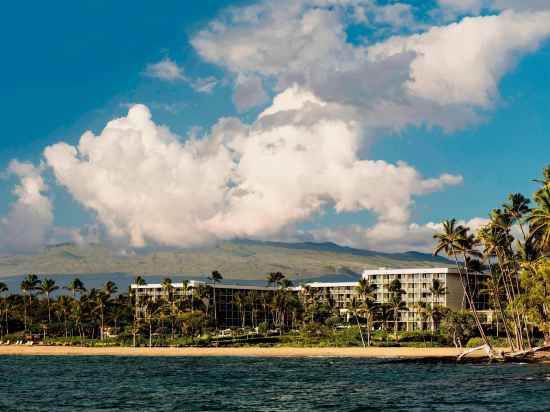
517,209
4,289
168,289
27,286
75,286
77,314
453,240
494,292
275,279
396,305
241,301
252,301
110,288
215,277
369,308
366,290
353,308
437,290
46,287
63,306
539,220
100,302
286,283
423,311
139,281
367,295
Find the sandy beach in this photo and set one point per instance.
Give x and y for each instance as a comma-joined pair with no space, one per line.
355,352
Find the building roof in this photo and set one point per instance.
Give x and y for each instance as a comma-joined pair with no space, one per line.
331,284
195,283
407,271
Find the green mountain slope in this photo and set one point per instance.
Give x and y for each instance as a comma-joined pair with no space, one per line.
239,259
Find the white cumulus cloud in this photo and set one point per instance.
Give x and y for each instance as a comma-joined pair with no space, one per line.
168,70
25,228
390,236
462,63
441,77
147,186
165,69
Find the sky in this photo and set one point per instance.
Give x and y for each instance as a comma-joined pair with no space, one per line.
180,124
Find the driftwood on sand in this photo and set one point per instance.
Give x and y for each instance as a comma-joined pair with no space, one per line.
502,356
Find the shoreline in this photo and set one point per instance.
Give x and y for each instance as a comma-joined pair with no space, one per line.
350,352
445,354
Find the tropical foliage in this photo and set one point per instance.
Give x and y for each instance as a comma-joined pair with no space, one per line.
513,249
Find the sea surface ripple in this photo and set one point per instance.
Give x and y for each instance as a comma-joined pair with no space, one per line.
267,384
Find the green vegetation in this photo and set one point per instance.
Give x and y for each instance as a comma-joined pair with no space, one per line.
518,265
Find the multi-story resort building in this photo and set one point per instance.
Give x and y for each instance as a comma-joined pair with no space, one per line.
417,285
229,310
237,305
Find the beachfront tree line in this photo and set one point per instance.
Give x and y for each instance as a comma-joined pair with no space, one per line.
513,248
81,314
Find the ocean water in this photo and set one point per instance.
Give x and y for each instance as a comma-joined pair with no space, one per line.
267,384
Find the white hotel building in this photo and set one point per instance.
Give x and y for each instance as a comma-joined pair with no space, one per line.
416,283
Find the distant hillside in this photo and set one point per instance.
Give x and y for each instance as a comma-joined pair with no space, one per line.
238,259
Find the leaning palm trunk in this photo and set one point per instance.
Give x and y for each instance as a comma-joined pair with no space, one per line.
496,295
487,346
511,292
360,331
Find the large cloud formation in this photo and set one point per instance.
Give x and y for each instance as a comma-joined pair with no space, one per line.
25,228
303,154
443,76
241,180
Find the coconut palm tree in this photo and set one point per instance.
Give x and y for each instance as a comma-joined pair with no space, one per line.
100,301
274,279
63,309
46,287
75,286
77,315
397,306
353,307
369,309
517,208
110,288
215,277
365,290
167,288
3,290
423,310
367,305
539,220
28,285
286,283
454,240
241,301
139,281
437,290
252,301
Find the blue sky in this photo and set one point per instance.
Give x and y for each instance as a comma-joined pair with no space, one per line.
74,66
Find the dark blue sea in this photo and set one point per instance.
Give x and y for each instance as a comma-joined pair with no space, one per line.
267,384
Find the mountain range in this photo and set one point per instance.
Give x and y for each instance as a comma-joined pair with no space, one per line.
236,259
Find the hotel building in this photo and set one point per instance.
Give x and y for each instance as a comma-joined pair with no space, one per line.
415,282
